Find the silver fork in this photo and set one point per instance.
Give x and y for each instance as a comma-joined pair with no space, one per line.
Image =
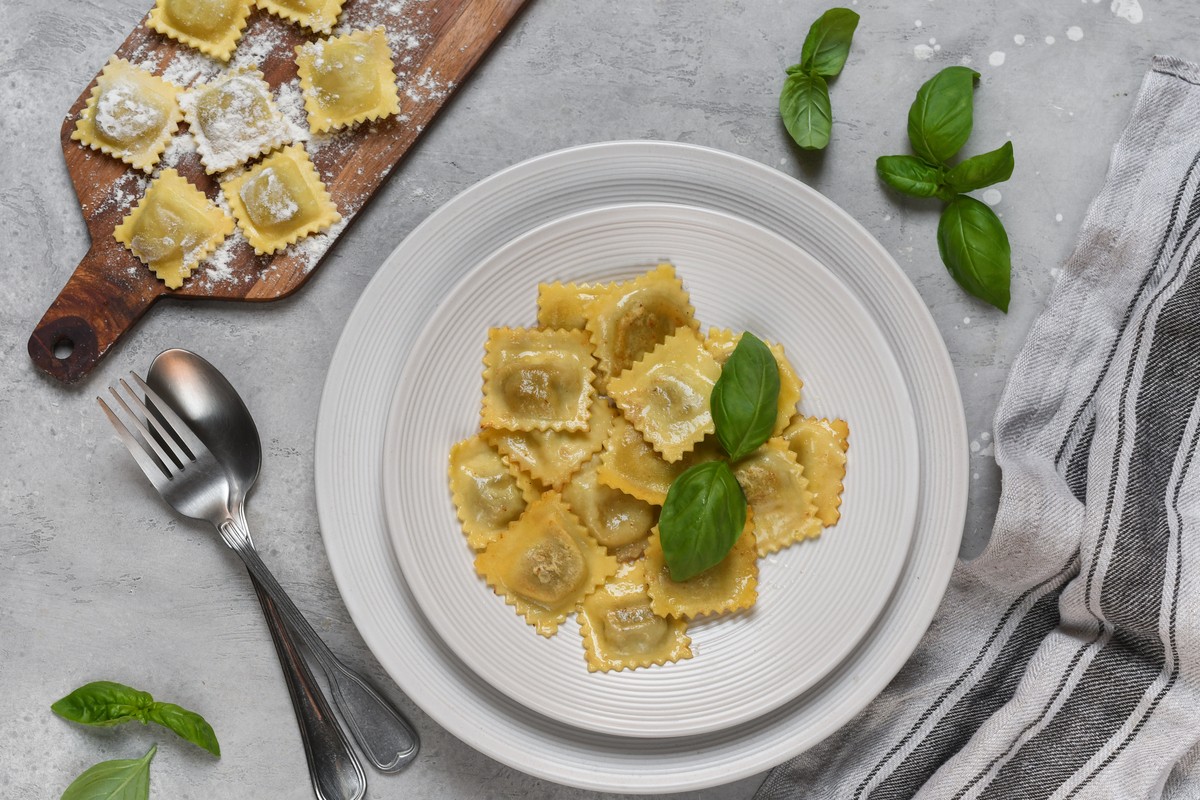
187,475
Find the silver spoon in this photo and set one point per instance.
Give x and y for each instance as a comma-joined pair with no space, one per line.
199,393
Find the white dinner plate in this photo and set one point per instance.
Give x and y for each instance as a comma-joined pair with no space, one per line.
357,397
816,600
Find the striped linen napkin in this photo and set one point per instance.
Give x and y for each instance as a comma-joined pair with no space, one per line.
1065,660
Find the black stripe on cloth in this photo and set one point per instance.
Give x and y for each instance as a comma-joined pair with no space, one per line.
988,694
1131,597
1052,585
1088,405
1076,472
1172,640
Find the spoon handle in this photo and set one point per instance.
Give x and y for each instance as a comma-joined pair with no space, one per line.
387,739
332,765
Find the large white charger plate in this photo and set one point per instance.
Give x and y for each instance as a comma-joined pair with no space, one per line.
357,397
816,601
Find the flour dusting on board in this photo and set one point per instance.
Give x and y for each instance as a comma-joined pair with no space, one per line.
1130,10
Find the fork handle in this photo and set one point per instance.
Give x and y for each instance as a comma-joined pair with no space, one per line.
387,739
332,765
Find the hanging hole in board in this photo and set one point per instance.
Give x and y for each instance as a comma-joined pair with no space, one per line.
63,347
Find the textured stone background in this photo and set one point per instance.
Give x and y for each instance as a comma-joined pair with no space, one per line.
99,580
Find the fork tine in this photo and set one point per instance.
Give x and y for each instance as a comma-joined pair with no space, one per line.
167,458
171,444
174,423
149,463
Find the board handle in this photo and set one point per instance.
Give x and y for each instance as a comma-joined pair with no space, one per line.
97,305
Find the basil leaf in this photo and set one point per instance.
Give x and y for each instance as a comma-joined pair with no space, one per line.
123,779
982,170
804,106
702,518
107,703
745,399
828,42
974,247
940,119
188,724
911,175
104,703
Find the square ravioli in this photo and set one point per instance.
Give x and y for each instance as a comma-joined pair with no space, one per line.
777,492
619,521
318,16
820,446
629,463
721,343
280,200
552,457
665,395
211,26
233,119
537,380
729,586
545,563
173,228
347,79
488,492
130,115
631,318
564,305
621,631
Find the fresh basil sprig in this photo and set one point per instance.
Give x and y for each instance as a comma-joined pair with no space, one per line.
107,703
804,102
971,239
122,779
745,399
702,518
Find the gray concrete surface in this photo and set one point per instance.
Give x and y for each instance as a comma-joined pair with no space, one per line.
99,580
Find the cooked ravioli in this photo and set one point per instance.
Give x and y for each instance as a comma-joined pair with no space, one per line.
173,228
621,631
318,16
820,446
545,563
729,586
211,26
665,394
537,380
280,200
619,521
777,491
488,492
552,457
130,115
631,464
629,319
564,305
721,343
347,79
233,119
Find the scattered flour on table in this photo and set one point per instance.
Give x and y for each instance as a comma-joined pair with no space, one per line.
922,52
996,58
1130,10
1074,33
991,197
290,103
1049,40
1058,217
1019,39
180,147
189,66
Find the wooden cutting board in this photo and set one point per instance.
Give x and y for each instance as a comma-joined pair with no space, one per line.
435,45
